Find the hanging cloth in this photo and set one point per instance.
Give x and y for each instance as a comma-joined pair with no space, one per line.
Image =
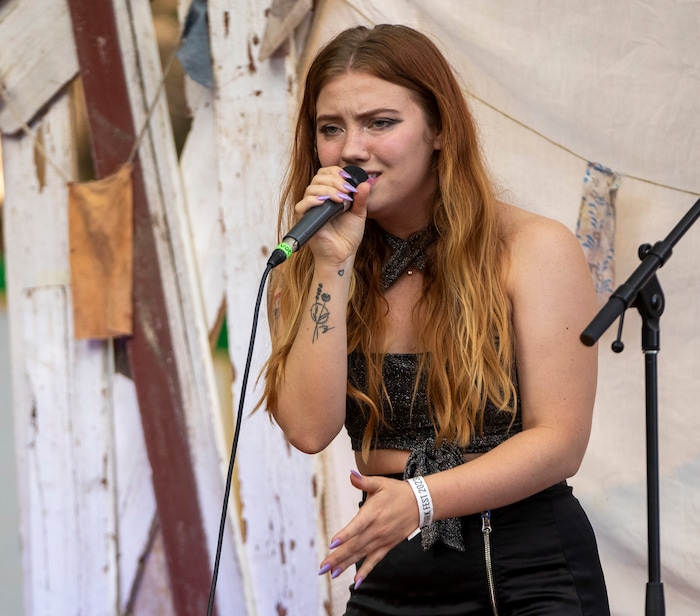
194,52
596,226
100,215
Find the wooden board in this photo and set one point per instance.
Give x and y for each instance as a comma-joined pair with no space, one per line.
253,108
61,391
33,73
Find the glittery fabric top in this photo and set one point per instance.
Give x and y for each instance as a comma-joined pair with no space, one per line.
407,423
407,426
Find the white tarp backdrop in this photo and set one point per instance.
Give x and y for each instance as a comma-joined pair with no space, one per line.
556,84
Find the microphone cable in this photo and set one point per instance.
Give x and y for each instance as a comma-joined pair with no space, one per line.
234,445
311,222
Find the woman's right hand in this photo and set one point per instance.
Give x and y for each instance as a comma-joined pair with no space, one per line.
339,239
387,517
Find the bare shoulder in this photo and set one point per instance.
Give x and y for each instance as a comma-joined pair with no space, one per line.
526,230
541,252
535,242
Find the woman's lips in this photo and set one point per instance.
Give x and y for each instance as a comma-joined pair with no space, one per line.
371,180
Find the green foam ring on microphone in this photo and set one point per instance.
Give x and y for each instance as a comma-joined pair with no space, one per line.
286,249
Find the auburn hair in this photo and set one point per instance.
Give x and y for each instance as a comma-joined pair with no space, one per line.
466,328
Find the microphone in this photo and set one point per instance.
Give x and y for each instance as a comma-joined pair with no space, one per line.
312,221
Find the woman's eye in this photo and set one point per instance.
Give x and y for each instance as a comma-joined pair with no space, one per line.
329,130
382,123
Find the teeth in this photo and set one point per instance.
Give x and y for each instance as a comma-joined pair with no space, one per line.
372,175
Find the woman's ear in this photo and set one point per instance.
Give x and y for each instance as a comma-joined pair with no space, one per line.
437,140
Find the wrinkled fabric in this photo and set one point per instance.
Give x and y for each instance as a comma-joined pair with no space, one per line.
195,51
100,215
596,226
406,253
427,459
544,560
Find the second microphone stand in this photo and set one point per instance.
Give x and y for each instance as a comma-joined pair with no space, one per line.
643,291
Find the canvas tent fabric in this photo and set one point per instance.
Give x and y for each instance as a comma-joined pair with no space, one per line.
556,86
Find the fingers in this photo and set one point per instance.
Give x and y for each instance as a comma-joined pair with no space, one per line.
367,484
337,240
388,516
329,183
366,545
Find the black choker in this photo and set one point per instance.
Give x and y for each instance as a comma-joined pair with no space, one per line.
408,255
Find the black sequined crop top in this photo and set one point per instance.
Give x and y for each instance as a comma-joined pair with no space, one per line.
409,427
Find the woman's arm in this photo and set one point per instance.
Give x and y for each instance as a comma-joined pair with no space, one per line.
311,398
553,300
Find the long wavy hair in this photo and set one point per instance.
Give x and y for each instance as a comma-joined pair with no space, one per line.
466,329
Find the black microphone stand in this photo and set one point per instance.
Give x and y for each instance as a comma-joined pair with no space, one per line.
643,291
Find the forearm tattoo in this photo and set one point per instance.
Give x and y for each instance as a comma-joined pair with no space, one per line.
320,313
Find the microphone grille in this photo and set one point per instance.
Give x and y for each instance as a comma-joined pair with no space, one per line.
357,174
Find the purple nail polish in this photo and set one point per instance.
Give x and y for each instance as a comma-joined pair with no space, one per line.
358,581
345,174
344,197
355,474
325,569
323,198
349,187
334,544
336,572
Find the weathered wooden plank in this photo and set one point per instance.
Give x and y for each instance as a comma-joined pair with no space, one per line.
153,359
253,105
153,597
282,20
32,73
136,505
199,171
182,289
199,166
61,391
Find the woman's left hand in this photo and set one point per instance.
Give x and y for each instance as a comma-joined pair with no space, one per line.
388,515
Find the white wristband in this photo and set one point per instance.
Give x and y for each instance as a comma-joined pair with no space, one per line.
425,502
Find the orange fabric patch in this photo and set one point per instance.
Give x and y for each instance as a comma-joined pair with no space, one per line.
100,218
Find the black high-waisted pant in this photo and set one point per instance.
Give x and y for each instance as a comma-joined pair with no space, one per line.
544,562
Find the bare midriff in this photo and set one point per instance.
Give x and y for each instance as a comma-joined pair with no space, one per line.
390,461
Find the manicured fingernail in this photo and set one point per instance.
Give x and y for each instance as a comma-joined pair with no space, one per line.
344,197
325,569
323,198
336,572
359,581
345,174
349,187
355,474
334,544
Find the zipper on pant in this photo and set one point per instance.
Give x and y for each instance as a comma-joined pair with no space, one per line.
486,530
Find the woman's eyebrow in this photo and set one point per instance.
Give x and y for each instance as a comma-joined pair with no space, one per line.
329,117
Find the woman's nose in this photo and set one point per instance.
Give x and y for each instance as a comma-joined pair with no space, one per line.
355,145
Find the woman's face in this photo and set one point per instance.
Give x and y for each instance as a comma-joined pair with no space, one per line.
377,125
